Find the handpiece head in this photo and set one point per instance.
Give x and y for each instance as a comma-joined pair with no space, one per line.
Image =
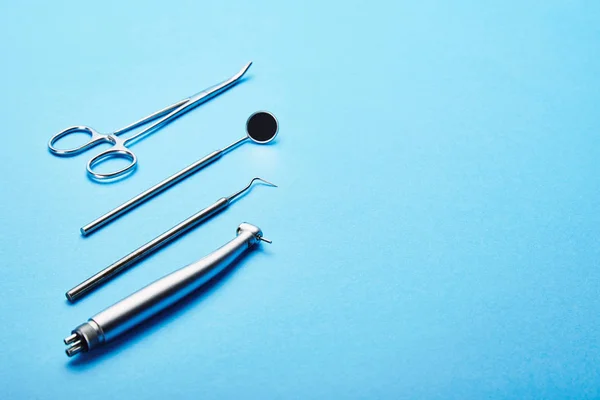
254,230
262,127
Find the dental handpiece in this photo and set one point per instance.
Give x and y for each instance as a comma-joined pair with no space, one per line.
143,304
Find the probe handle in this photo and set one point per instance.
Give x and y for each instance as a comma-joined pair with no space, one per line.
115,268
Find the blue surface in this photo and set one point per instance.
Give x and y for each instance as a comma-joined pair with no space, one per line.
435,232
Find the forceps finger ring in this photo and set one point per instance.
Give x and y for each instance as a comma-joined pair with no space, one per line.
112,153
95,138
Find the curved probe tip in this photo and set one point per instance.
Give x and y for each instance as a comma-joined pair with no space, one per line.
264,181
233,196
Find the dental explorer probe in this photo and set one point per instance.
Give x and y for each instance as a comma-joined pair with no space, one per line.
107,273
261,128
159,295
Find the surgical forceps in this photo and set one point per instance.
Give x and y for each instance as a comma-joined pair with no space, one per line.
119,145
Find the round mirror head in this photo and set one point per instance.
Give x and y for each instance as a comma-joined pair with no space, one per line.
262,127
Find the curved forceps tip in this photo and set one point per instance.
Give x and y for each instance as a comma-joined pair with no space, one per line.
243,70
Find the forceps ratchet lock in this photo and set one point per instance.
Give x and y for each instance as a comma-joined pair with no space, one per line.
143,304
119,147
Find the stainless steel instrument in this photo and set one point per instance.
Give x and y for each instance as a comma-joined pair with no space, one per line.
119,147
159,295
109,272
261,128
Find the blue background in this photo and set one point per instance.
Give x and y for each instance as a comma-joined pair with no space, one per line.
435,232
